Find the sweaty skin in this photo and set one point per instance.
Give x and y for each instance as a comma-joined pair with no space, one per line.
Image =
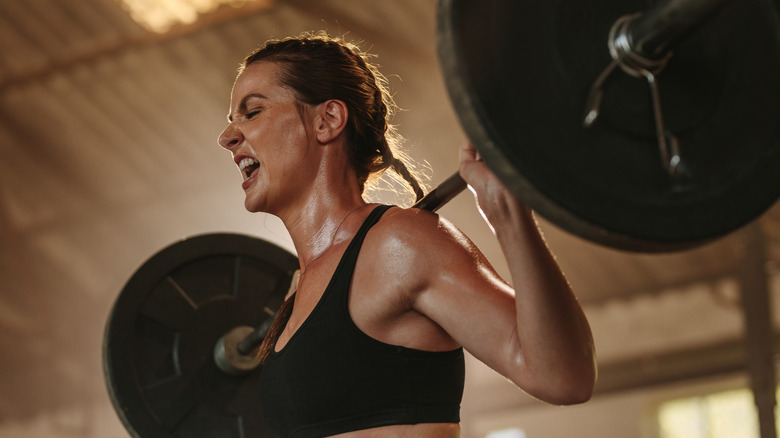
418,282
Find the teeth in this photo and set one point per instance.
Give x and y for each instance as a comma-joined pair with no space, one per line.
246,162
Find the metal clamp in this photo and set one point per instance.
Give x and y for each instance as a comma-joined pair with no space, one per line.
636,65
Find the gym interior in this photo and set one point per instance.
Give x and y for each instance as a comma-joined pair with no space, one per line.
108,154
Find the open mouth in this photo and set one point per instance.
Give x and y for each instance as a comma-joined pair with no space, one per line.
248,166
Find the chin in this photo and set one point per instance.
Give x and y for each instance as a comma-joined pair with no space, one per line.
252,207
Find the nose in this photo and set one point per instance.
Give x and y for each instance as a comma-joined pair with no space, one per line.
230,137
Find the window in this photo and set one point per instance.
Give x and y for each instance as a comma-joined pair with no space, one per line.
506,433
727,414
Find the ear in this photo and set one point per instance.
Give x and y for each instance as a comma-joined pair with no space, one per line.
331,119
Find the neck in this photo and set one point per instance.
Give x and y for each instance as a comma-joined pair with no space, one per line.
320,224
317,217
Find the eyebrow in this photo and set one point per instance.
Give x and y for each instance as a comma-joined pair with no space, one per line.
242,104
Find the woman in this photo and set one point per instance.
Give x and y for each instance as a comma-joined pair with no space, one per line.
370,344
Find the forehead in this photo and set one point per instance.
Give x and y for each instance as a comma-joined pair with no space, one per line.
259,78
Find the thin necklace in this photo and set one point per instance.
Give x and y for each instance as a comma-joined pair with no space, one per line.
332,239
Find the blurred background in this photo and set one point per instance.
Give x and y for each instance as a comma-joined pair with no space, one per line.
108,153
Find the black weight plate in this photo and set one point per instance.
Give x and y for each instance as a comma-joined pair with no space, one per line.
519,73
159,340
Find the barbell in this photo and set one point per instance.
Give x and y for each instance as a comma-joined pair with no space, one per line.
641,129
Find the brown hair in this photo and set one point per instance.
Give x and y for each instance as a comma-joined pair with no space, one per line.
318,67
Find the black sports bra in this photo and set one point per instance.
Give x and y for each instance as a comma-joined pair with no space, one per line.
332,378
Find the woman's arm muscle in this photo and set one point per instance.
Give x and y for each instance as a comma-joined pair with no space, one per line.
535,334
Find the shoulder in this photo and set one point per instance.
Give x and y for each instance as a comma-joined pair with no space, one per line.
414,227
408,219
417,244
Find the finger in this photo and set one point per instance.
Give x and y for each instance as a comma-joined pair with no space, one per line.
468,152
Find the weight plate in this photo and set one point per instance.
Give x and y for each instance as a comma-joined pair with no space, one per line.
519,74
159,341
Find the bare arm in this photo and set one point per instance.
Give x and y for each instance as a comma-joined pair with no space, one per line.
537,335
552,332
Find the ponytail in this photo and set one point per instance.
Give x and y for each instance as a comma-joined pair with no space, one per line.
342,71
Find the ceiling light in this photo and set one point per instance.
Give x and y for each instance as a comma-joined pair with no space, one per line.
160,15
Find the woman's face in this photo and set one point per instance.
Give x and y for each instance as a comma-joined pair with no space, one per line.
267,136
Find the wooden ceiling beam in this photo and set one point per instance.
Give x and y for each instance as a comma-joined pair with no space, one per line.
143,38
